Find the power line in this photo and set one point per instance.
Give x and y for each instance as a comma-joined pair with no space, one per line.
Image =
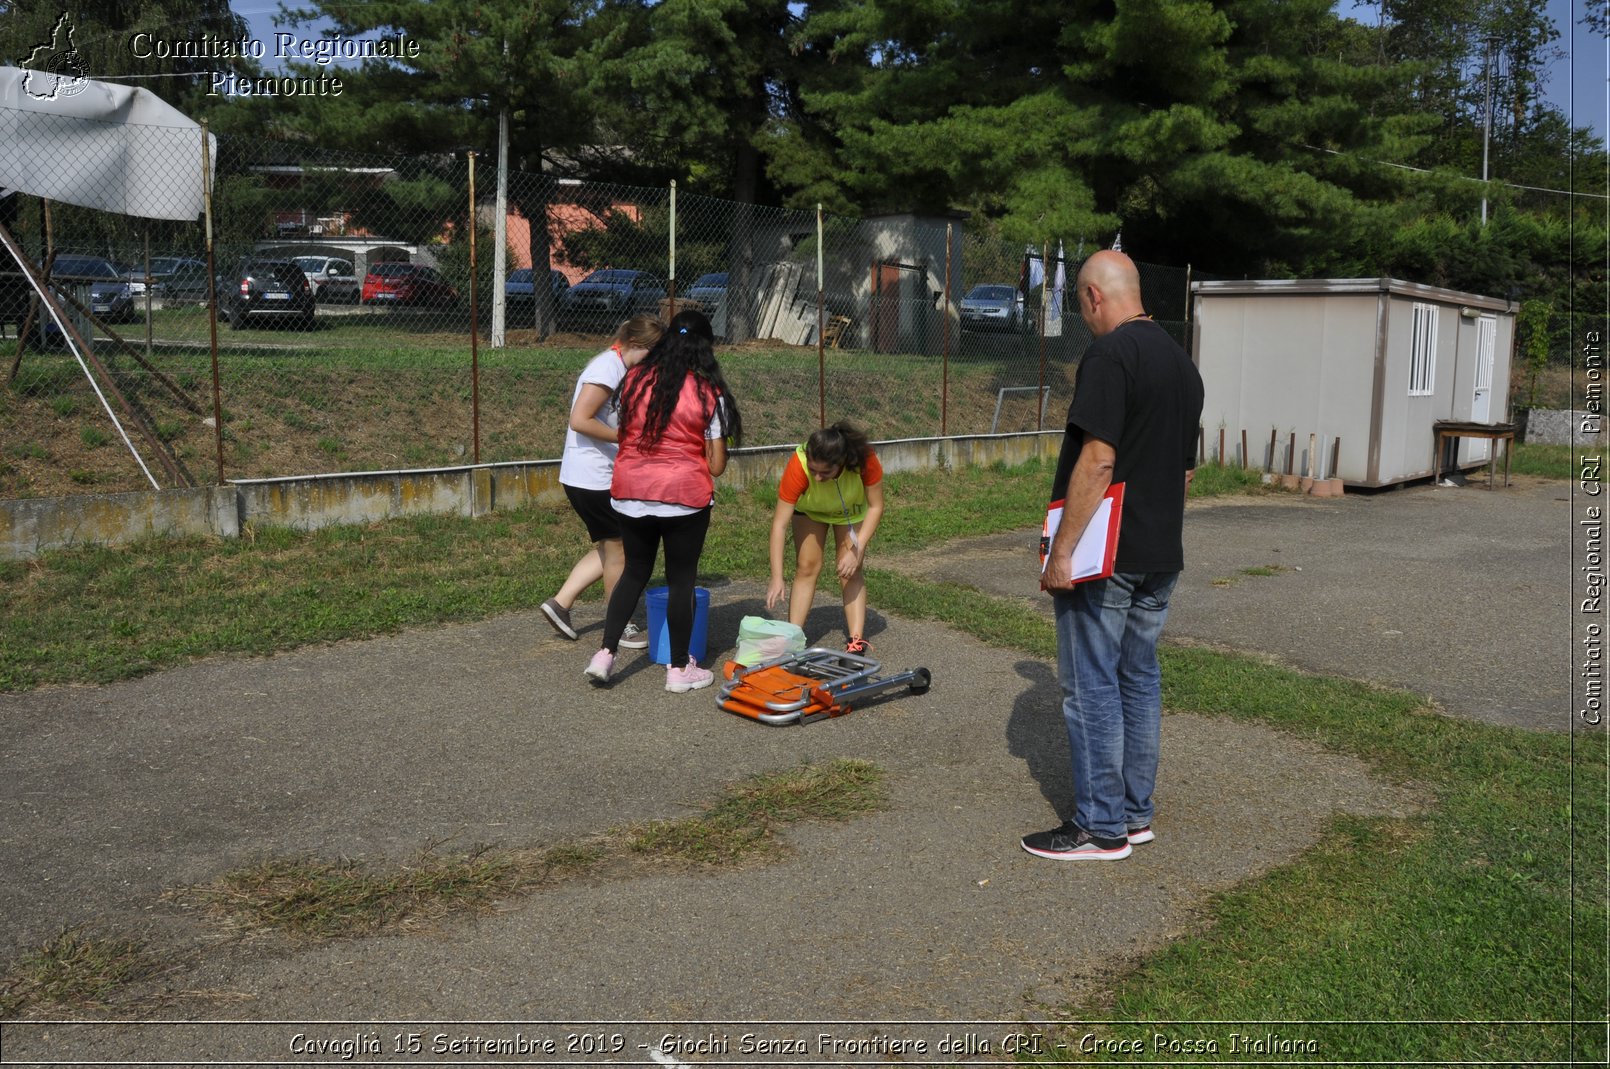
1449,174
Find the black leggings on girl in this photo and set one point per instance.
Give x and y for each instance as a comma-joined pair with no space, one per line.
641,537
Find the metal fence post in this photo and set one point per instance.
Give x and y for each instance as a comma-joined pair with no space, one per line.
500,234
212,303
821,346
944,378
475,330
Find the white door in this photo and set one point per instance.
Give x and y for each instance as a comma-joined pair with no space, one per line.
1481,401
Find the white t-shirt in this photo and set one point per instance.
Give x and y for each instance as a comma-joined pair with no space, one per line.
587,462
638,509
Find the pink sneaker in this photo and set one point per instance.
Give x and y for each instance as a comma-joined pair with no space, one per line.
681,680
598,668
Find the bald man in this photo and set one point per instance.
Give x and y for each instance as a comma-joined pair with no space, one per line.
1137,403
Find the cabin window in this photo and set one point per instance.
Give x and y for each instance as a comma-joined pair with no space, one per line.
1423,351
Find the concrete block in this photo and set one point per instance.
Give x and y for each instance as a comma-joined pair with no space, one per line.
310,502
33,525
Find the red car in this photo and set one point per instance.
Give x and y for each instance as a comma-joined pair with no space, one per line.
407,284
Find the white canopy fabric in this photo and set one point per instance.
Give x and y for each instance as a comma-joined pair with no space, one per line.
99,145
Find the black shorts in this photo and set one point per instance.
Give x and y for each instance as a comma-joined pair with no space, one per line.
593,506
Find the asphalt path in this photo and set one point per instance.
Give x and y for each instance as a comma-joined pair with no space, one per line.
1458,593
925,912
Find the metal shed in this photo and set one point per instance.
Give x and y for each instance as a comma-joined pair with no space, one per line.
1366,367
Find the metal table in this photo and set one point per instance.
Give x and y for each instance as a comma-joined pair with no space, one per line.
1457,429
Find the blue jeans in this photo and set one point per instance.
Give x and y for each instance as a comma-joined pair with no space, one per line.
1107,632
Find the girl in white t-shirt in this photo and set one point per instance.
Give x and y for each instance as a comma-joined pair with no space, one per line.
587,466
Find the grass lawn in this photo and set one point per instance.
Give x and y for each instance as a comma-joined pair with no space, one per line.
396,390
1481,921
1547,461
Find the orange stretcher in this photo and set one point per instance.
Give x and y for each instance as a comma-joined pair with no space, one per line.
811,685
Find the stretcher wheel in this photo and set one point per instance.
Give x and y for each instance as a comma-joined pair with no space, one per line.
920,680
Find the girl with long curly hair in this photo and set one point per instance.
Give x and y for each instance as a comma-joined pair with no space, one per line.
677,417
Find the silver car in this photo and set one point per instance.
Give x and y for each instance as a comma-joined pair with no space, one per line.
992,306
332,278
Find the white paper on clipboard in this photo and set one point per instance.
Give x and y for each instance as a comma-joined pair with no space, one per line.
1093,554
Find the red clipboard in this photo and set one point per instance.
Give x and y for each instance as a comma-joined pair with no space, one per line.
1097,546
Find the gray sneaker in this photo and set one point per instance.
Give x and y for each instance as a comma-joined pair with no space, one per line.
559,617
634,638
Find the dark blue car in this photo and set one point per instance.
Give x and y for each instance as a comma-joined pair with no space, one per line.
601,300
110,296
519,292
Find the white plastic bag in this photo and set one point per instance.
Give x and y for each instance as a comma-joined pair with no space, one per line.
761,639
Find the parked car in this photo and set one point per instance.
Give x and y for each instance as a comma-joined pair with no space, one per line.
518,290
709,290
109,296
332,278
267,291
175,278
609,295
992,306
411,284
113,301
108,284
177,272
93,280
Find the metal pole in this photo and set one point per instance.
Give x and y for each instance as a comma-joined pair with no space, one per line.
1039,416
475,353
1190,345
1045,289
821,347
212,303
1486,121
148,293
944,389
671,282
872,304
500,230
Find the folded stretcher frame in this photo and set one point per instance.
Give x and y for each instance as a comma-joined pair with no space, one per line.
813,684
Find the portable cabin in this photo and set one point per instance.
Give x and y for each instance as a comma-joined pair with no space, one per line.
1364,368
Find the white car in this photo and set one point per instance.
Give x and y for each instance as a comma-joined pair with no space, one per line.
332,278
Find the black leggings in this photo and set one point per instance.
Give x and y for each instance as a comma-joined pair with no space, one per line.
641,537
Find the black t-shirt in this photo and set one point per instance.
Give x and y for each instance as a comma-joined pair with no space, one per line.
1138,391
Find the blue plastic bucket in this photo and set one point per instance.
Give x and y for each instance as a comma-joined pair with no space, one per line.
659,633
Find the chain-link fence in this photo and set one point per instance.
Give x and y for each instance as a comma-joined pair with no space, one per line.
331,325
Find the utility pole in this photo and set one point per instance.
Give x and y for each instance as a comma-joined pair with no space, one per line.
1486,119
500,227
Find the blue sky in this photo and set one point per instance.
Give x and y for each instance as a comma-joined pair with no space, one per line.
1581,88
1576,82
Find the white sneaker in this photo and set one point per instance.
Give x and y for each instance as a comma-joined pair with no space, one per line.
681,680
634,638
599,667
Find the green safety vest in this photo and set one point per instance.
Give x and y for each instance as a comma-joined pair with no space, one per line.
836,501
